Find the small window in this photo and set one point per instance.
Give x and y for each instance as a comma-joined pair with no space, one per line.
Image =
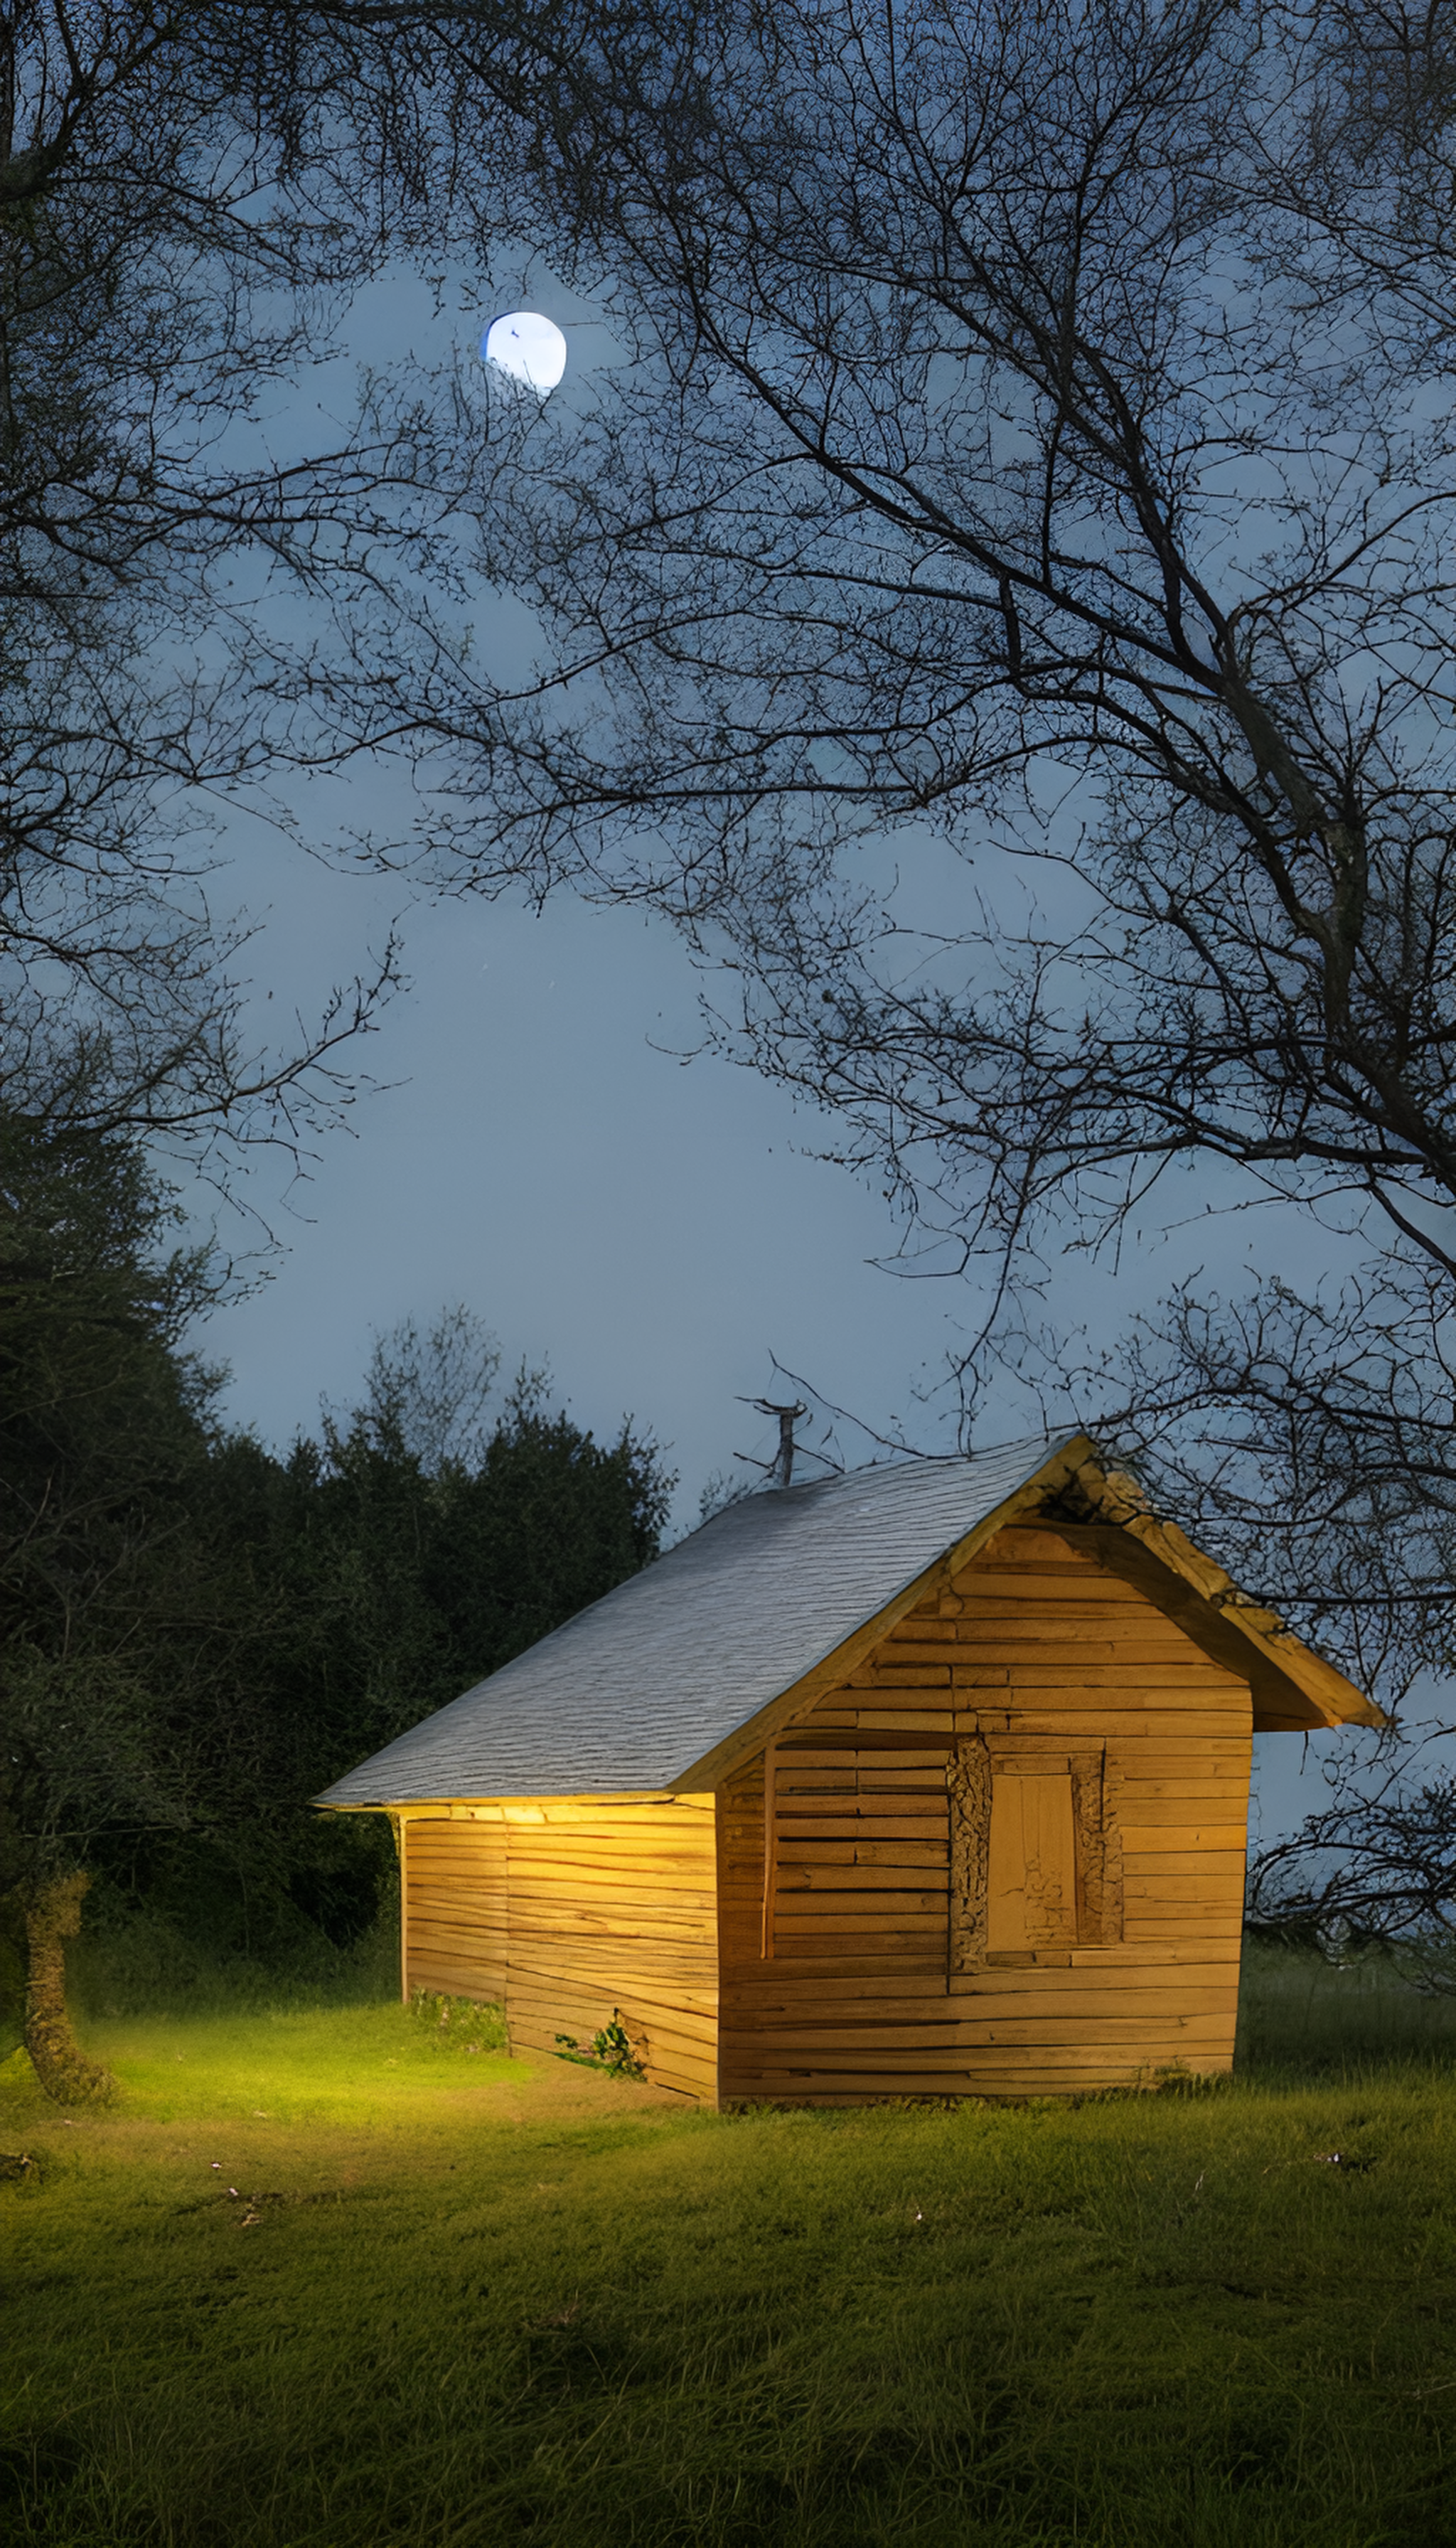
1032,1864
1035,1848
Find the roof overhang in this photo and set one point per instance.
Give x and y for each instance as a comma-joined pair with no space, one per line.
1295,1690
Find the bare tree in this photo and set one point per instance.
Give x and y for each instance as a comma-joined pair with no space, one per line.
189,201
1316,1440
1038,430
1376,1870
426,1396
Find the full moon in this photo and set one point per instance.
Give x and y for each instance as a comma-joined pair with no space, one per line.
527,346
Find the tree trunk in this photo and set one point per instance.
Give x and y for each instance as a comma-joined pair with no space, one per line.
54,1914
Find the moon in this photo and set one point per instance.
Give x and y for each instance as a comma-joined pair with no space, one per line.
530,347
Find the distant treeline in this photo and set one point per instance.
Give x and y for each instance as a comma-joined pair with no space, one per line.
200,1635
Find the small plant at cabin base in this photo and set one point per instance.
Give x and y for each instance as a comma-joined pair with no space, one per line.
478,2026
612,2049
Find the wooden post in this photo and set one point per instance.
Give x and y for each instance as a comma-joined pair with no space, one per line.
770,1846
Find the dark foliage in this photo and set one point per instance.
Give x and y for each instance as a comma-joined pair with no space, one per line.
104,1442
199,1636
361,1591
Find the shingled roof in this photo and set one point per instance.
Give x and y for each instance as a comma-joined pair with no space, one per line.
644,1692
635,1692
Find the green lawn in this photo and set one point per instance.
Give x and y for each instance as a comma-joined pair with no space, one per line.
330,2280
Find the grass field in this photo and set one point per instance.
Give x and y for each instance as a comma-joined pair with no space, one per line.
330,2280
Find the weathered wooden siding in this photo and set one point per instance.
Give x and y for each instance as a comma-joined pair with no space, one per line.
852,1962
453,1898
567,1908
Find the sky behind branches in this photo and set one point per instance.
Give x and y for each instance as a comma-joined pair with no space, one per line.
654,1231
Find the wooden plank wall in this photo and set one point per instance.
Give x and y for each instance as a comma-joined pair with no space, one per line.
610,1905
835,1971
453,1901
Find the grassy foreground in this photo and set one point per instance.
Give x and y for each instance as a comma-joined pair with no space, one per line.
332,2280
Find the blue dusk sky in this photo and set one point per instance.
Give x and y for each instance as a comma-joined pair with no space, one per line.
653,1228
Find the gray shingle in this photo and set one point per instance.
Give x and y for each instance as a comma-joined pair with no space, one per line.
632,1691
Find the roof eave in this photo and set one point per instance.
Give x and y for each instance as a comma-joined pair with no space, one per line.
1316,1692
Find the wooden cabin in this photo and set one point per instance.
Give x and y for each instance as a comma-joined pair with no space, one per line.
929,1779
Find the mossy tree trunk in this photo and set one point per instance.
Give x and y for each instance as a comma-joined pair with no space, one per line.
54,1914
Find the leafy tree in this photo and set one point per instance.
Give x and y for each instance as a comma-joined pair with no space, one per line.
447,1546
364,1581
103,1439
200,1637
